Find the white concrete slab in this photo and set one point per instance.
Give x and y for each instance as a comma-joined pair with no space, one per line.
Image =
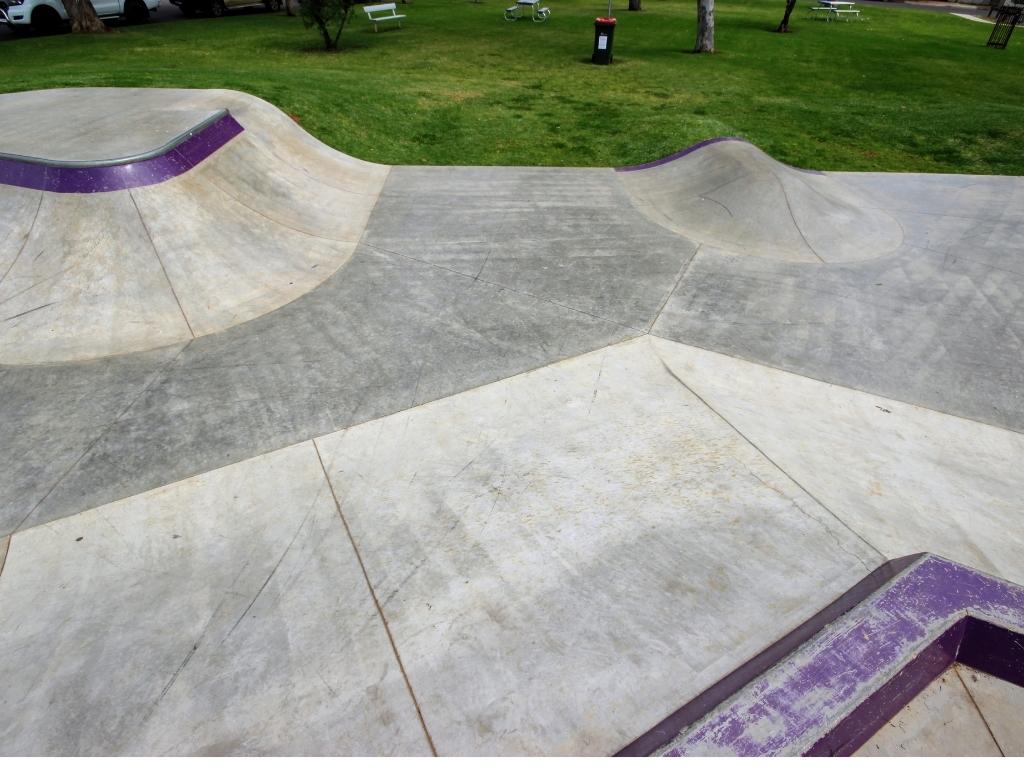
224,614
567,556
941,722
906,478
1002,705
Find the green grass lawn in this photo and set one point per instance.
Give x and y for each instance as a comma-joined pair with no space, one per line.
901,91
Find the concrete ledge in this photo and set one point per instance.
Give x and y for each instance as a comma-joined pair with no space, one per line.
182,153
833,693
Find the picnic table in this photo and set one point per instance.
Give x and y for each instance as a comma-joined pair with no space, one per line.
835,9
537,13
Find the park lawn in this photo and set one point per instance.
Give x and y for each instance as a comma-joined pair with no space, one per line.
902,90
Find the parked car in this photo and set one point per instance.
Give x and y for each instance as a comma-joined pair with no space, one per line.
49,15
218,7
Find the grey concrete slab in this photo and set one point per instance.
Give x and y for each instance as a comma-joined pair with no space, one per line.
571,235
226,614
51,415
384,333
566,556
914,326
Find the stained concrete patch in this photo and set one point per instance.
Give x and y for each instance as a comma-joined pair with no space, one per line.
225,614
941,721
383,334
905,478
565,556
570,235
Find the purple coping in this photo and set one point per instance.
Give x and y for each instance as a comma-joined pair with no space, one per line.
679,154
694,148
832,694
109,178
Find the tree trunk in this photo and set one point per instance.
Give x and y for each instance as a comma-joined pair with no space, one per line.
705,27
634,5
83,16
288,9
784,24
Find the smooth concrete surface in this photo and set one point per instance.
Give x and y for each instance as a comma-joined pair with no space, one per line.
223,614
904,478
598,440
942,721
555,554
1001,704
383,334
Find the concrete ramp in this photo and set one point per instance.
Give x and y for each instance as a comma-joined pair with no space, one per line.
731,195
266,215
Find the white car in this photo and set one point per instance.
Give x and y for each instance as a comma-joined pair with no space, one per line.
49,15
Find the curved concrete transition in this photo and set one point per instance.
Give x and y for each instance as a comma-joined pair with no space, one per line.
305,455
731,195
263,219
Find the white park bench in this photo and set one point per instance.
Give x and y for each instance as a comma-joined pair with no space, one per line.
383,12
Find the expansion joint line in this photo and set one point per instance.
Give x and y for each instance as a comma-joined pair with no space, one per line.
163,268
376,602
981,714
775,464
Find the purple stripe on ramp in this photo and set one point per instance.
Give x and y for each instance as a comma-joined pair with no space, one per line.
109,178
831,694
679,154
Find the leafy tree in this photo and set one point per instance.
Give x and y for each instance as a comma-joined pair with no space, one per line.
784,24
329,18
705,27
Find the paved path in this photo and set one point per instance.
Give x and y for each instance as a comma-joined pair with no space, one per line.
301,454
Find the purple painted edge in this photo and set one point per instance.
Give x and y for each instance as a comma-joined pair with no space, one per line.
705,702
109,178
862,669
693,148
880,707
679,154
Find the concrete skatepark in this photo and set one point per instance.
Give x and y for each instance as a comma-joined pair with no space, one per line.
300,454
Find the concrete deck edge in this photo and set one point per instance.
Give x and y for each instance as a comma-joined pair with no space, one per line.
834,692
699,707
174,158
